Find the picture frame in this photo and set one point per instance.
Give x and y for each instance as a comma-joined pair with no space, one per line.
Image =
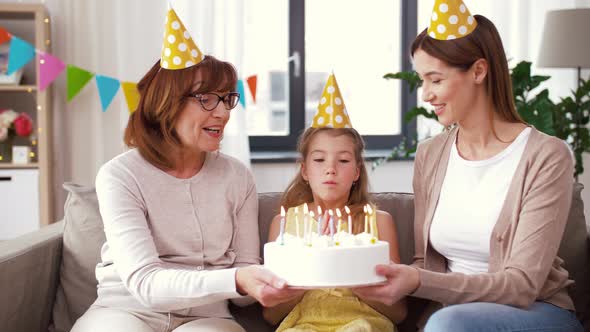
5,78
21,154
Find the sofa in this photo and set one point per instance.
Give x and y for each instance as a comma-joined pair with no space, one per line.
47,277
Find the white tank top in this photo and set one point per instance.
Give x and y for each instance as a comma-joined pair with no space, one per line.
471,197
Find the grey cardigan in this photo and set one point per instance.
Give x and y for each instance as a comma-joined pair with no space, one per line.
523,265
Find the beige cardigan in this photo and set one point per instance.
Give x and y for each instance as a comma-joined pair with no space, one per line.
523,265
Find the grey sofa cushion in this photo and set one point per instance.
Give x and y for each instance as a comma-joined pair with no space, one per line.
84,236
575,251
82,240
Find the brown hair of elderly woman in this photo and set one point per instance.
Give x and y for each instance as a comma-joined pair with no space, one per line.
163,95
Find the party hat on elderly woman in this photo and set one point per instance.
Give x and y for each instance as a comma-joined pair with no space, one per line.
331,110
450,20
179,51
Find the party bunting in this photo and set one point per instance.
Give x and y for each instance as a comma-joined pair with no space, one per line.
242,93
4,36
107,89
49,68
20,54
131,95
77,79
252,85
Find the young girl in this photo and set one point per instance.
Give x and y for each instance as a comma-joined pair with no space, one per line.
333,175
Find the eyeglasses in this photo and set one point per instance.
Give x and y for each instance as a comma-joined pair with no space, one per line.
210,100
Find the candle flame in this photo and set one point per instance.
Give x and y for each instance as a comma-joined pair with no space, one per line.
338,213
296,209
319,210
364,208
330,212
369,209
346,209
311,214
305,208
282,211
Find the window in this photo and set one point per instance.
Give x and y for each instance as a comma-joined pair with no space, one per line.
358,42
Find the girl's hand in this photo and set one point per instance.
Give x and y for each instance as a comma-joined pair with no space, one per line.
402,280
264,286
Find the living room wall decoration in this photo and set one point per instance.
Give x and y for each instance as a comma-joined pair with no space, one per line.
50,67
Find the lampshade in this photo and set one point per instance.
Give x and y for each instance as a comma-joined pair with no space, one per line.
566,38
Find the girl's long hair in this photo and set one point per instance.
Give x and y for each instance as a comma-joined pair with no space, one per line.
299,191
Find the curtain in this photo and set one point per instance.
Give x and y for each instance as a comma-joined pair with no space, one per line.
123,39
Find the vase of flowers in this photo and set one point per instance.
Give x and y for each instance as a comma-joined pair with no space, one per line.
12,124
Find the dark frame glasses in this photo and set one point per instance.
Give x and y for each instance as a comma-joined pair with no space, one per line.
210,100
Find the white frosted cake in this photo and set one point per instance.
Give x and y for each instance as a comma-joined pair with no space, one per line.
342,261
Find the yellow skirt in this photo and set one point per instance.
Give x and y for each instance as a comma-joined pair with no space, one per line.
334,310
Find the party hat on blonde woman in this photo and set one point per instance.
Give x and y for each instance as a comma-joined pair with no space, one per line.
179,51
450,20
331,110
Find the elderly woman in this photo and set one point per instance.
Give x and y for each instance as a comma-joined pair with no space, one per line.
180,218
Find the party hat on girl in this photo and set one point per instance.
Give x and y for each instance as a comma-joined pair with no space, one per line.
450,20
179,51
331,110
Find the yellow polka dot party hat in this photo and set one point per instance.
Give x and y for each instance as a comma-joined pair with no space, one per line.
450,20
331,110
179,51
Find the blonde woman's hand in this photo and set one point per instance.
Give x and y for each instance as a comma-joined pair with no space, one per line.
402,280
264,286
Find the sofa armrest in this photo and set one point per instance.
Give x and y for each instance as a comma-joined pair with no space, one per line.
29,274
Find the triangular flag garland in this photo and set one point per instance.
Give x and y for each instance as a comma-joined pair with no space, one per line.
20,54
107,89
240,88
252,85
4,36
77,79
49,68
131,95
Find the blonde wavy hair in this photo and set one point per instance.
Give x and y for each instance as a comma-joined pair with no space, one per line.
299,191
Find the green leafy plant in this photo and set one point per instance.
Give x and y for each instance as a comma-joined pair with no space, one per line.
567,119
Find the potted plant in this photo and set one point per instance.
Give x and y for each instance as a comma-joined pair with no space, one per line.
567,119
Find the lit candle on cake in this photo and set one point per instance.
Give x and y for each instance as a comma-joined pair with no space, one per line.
311,216
370,212
339,214
366,221
282,227
305,220
320,215
297,221
349,219
339,228
331,224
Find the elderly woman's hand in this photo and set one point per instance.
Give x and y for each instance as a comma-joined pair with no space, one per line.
402,280
264,286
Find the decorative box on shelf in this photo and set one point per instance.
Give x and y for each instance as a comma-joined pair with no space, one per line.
19,197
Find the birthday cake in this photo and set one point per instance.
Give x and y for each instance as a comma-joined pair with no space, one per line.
341,260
